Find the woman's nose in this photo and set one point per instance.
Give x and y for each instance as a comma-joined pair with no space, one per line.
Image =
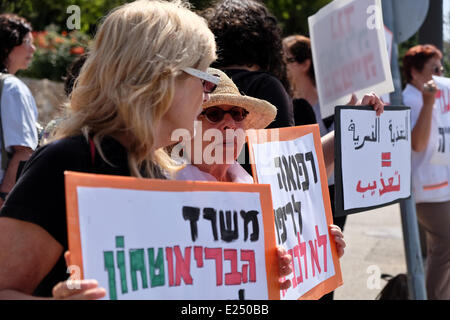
228,122
205,97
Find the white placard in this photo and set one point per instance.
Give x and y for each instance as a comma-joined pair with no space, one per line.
292,169
348,44
376,157
441,119
147,244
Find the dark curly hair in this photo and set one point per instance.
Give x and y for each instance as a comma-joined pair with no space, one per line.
417,56
13,29
246,33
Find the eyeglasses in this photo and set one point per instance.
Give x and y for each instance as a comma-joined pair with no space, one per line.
438,70
216,114
209,81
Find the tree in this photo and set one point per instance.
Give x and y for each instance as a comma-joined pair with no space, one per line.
293,14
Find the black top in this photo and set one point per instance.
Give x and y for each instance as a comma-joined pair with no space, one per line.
39,195
303,113
263,85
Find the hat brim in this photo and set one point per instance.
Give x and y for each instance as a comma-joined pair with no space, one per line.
260,112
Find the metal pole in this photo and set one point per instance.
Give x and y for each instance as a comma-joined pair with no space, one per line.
416,277
414,263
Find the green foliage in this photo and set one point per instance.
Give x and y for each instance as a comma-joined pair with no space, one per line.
293,14
42,13
54,53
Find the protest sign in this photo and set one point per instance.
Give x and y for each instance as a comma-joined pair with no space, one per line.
389,39
160,239
440,134
373,158
348,45
291,161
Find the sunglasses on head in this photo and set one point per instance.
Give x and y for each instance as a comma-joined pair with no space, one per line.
216,114
209,81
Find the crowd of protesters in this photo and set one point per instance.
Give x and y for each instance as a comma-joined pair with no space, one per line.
147,73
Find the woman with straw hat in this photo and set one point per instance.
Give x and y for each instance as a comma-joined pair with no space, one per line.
225,116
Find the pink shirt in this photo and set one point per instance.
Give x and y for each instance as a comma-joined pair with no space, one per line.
235,171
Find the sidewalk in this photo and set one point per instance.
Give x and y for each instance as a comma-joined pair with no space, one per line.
374,246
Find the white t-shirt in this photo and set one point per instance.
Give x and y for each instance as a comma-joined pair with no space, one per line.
431,183
18,115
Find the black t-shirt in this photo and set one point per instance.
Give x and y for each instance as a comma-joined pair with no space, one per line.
303,113
39,195
263,85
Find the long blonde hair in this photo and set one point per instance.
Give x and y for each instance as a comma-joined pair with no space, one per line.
127,83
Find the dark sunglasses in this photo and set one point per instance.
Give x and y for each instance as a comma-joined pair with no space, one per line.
216,114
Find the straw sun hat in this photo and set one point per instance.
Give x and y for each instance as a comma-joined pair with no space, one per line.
261,113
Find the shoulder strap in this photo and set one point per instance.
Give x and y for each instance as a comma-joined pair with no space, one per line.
4,154
92,149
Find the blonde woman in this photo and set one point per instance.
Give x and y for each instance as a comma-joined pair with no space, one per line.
145,76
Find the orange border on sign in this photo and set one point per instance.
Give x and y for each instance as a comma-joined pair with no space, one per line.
292,133
76,179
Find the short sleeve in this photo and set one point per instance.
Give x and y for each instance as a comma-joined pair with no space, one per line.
413,98
18,114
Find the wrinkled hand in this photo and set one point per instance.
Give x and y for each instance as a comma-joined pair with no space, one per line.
78,290
285,267
73,289
429,92
336,232
373,100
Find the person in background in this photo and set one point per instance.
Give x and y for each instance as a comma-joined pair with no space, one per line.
18,111
144,78
431,188
300,71
250,53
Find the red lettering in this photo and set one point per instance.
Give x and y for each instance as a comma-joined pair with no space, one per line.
369,66
198,256
348,12
302,249
248,255
216,254
322,240
299,279
283,292
169,258
234,277
183,266
294,278
314,256
341,28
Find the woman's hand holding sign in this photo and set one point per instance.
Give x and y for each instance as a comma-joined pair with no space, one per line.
336,232
76,289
